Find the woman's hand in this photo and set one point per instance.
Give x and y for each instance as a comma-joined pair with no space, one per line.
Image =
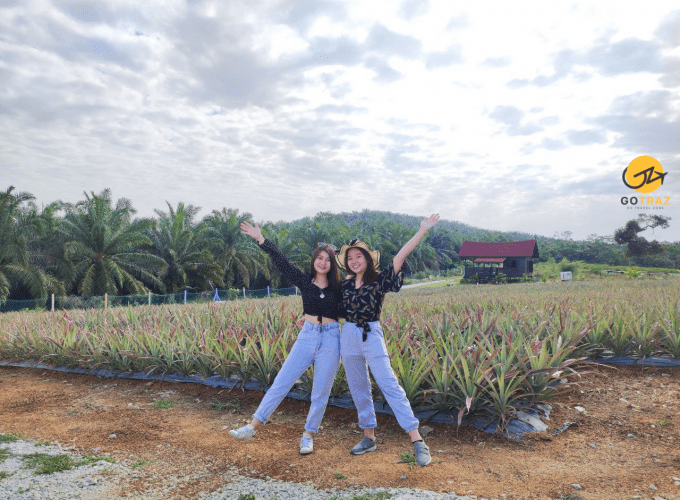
429,222
300,323
252,231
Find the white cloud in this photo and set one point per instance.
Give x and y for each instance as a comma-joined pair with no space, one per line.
528,113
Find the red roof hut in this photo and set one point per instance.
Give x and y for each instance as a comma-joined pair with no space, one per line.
512,258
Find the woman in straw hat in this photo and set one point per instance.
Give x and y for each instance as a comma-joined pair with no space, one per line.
362,342
318,342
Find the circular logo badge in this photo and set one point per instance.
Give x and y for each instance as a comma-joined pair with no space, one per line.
644,174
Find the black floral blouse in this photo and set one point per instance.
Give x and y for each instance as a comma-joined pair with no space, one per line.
364,304
319,302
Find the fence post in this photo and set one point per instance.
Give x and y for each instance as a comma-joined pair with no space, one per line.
149,297
106,300
52,302
296,291
268,295
185,297
244,292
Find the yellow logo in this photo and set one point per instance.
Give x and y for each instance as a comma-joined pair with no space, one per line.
644,174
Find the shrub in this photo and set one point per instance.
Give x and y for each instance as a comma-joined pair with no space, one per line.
500,278
633,273
565,266
471,280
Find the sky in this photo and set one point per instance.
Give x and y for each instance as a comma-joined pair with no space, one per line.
510,116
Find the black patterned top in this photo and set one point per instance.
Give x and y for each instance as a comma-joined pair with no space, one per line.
319,302
364,304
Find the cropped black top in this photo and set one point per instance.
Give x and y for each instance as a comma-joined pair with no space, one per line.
316,301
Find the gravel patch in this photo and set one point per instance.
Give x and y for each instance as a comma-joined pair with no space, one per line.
18,481
102,480
274,489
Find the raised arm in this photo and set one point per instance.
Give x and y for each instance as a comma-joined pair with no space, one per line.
289,270
425,226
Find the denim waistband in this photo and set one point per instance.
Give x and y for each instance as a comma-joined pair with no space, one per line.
359,325
322,328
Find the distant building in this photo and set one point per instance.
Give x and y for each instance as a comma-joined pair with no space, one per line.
514,259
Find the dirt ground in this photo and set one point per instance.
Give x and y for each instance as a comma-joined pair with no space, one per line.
625,438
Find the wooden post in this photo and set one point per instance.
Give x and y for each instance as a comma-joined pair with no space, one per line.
52,302
244,292
106,301
185,297
268,295
149,297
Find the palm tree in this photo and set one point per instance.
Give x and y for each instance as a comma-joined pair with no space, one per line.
18,228
47,249
324,227
304,235
104,247
388,236
423,258
238,257
183,246
446,245
391,236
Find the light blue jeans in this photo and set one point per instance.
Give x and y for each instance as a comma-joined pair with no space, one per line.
356,355
315,344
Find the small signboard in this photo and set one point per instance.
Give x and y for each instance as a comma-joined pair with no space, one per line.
565,276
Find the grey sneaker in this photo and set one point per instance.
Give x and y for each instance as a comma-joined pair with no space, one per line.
306,445
363,446
422,453
245,433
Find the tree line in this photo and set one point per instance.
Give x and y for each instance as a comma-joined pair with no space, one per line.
97,246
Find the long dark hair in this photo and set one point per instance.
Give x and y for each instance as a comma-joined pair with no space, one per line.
334,274
371,272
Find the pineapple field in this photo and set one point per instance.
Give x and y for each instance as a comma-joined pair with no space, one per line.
458,351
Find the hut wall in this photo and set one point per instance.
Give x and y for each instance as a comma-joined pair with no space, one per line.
516,267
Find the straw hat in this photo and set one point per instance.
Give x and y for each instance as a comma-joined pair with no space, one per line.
342,254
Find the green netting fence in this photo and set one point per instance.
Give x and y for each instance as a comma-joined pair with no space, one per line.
75,302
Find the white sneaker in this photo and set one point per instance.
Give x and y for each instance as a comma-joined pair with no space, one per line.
306,445
245,433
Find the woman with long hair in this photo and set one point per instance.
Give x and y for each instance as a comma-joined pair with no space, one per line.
318,342
362,344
